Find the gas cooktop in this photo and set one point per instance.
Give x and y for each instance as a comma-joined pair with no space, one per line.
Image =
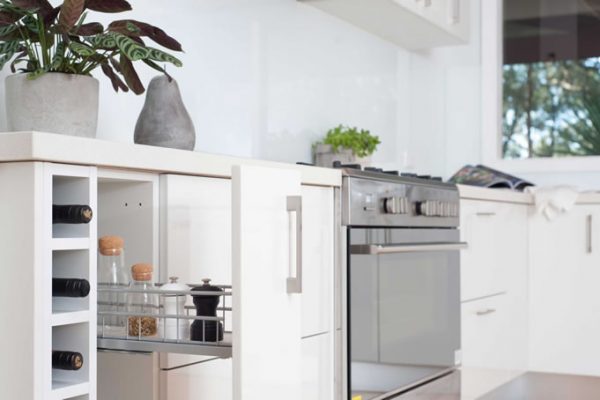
356,170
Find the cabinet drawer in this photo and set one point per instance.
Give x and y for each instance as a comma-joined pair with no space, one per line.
494,333
482,324
497,255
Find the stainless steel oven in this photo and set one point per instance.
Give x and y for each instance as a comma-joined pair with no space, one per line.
402,282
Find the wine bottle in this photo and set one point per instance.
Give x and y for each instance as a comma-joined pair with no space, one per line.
68,360
70,287
71,214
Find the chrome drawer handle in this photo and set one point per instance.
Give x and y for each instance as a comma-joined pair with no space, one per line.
485,312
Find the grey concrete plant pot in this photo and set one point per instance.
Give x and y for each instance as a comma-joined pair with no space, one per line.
54,102
325,156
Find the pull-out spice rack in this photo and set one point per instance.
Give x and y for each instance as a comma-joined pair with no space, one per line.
209,341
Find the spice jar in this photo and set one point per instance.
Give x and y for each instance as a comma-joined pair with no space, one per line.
112,274
174,304
206,306
141,304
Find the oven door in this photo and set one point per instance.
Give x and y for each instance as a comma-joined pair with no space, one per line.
404,308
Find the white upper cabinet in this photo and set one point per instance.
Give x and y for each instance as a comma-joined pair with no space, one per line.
412,24
565,301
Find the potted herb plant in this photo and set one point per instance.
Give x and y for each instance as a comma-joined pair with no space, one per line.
52,51
347,145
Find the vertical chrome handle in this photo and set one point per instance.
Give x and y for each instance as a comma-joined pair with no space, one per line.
589,234
294,284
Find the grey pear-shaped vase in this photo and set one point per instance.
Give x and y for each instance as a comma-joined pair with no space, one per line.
164,121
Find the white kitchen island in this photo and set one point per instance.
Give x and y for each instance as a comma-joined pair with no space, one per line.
190,214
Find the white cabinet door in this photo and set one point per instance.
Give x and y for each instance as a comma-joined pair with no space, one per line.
317,367
565,301
496,260
195,244
267,355
318,260
494,334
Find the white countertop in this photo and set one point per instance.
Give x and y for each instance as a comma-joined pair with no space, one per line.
37,146
511,196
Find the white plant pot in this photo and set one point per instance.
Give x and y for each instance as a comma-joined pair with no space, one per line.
324,156
54,102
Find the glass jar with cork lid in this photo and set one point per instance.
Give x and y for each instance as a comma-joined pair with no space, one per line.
141,304
112,274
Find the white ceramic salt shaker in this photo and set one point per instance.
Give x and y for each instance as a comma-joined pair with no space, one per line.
174,304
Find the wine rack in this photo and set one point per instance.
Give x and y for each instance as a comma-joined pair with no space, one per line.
69,251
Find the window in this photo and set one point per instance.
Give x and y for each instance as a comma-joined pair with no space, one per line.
551,78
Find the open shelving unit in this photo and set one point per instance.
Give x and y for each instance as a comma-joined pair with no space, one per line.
69,251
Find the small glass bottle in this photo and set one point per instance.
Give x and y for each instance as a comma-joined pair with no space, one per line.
112,274
141,302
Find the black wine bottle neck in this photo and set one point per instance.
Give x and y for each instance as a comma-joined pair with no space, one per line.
67,360
70,287
71,214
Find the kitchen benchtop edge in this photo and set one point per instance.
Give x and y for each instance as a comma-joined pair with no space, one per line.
509,196
49,147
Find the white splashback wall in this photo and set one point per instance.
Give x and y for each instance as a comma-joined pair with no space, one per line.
264,78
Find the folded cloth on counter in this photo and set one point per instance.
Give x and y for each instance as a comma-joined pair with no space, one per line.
553,200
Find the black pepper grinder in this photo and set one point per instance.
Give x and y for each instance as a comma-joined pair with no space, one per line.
206,306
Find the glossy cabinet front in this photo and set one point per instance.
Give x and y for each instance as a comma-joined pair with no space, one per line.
197,241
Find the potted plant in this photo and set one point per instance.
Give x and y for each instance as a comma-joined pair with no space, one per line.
347,145
55,50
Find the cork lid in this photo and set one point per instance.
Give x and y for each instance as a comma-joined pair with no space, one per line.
142,272
111,245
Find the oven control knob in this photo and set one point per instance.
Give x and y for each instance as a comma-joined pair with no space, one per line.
428,208
395,205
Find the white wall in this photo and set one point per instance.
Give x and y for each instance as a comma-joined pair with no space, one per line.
265,78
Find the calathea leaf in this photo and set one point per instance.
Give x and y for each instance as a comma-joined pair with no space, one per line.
21,57
51,16
4,58
115,64
93,28
144,29
31,24
131,77
9,47
41,6
108,6
105,42
117,83
81,49
7,30
158,55
59,56
70,12
8,17
131,49
157,67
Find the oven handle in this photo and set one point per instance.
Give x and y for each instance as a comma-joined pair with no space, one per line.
375,249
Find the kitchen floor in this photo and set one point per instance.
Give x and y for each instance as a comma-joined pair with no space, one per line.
473,384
